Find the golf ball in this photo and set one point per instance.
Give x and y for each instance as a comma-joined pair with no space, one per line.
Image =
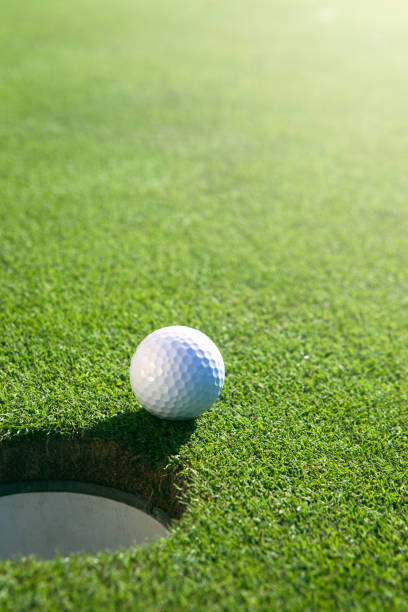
177,372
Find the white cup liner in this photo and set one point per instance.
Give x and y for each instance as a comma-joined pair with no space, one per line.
43,518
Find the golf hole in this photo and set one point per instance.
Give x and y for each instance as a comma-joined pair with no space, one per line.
45,518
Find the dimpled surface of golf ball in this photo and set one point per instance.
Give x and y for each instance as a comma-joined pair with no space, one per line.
177,373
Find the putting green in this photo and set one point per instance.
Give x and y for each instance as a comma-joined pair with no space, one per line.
241,168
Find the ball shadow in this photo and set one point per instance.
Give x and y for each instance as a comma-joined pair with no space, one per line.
131,451
155,438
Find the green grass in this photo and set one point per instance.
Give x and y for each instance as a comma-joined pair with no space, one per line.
240,167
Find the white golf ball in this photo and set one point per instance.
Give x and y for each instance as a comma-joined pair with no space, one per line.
177,373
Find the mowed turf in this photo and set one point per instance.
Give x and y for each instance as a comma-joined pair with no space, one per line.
240,167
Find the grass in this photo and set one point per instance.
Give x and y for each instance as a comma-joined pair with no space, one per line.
239,167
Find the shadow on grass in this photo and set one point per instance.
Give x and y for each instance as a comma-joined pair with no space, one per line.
131,451
155,438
